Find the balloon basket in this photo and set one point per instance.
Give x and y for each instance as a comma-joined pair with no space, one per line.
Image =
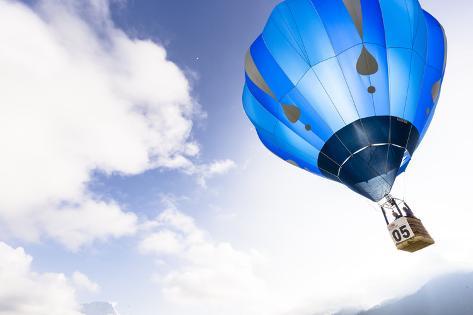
409,234
407,231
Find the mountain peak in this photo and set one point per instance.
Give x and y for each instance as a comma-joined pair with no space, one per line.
448,294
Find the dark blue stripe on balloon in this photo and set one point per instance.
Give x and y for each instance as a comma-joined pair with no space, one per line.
269,69
266,101
338,24
373,26
277,111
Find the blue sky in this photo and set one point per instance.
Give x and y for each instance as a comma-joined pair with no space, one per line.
218,34
229,229
209,45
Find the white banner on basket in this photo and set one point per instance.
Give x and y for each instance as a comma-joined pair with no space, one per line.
400,230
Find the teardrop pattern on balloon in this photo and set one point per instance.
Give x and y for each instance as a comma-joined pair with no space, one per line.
366,64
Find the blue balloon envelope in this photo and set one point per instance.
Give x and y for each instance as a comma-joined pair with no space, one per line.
346,89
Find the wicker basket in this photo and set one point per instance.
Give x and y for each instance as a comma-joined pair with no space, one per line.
409,234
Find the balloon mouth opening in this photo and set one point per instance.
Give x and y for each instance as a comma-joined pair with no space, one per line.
386,199
368,154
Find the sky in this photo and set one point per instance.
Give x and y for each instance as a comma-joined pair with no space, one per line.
130,174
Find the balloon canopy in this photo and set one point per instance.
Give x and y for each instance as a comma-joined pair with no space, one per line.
346,89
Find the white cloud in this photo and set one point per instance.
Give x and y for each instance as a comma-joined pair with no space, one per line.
99,308
81,281
163,242
204,273
75,225
25,292
79,95
207,171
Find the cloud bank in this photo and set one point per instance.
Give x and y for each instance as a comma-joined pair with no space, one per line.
81,281
24,292
79,95
200,273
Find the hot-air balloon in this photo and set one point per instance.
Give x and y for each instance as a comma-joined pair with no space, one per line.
346,89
